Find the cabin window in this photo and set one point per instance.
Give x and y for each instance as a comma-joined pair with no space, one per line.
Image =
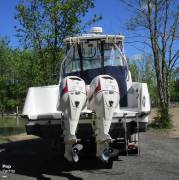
112,55
89,55
72,63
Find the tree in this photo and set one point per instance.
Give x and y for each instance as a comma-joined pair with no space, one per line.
43,26
3,73
17,73
174,85
160,19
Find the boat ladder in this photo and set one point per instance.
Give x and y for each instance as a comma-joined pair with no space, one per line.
137,139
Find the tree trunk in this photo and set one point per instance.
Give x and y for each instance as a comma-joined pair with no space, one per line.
163,92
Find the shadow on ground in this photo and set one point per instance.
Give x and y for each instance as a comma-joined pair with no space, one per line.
34,158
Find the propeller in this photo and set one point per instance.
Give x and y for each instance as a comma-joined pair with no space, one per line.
75,151
108,153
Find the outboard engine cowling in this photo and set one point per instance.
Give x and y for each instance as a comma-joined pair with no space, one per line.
72,101
103,99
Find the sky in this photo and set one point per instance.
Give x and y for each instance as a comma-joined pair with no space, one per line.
7,21
113,12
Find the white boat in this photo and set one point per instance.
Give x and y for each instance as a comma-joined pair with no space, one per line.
95,102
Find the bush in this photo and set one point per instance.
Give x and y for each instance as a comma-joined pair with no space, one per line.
163,119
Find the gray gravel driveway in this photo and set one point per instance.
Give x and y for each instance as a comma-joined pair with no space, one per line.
33,159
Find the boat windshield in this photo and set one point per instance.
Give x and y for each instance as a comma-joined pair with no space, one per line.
93,55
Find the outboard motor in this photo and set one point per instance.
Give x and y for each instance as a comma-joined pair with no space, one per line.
103,99
72,101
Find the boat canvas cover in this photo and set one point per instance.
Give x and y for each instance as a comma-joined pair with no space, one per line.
117,72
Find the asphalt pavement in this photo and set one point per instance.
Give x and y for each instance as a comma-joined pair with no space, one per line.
34,159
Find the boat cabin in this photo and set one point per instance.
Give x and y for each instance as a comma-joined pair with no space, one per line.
90,55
